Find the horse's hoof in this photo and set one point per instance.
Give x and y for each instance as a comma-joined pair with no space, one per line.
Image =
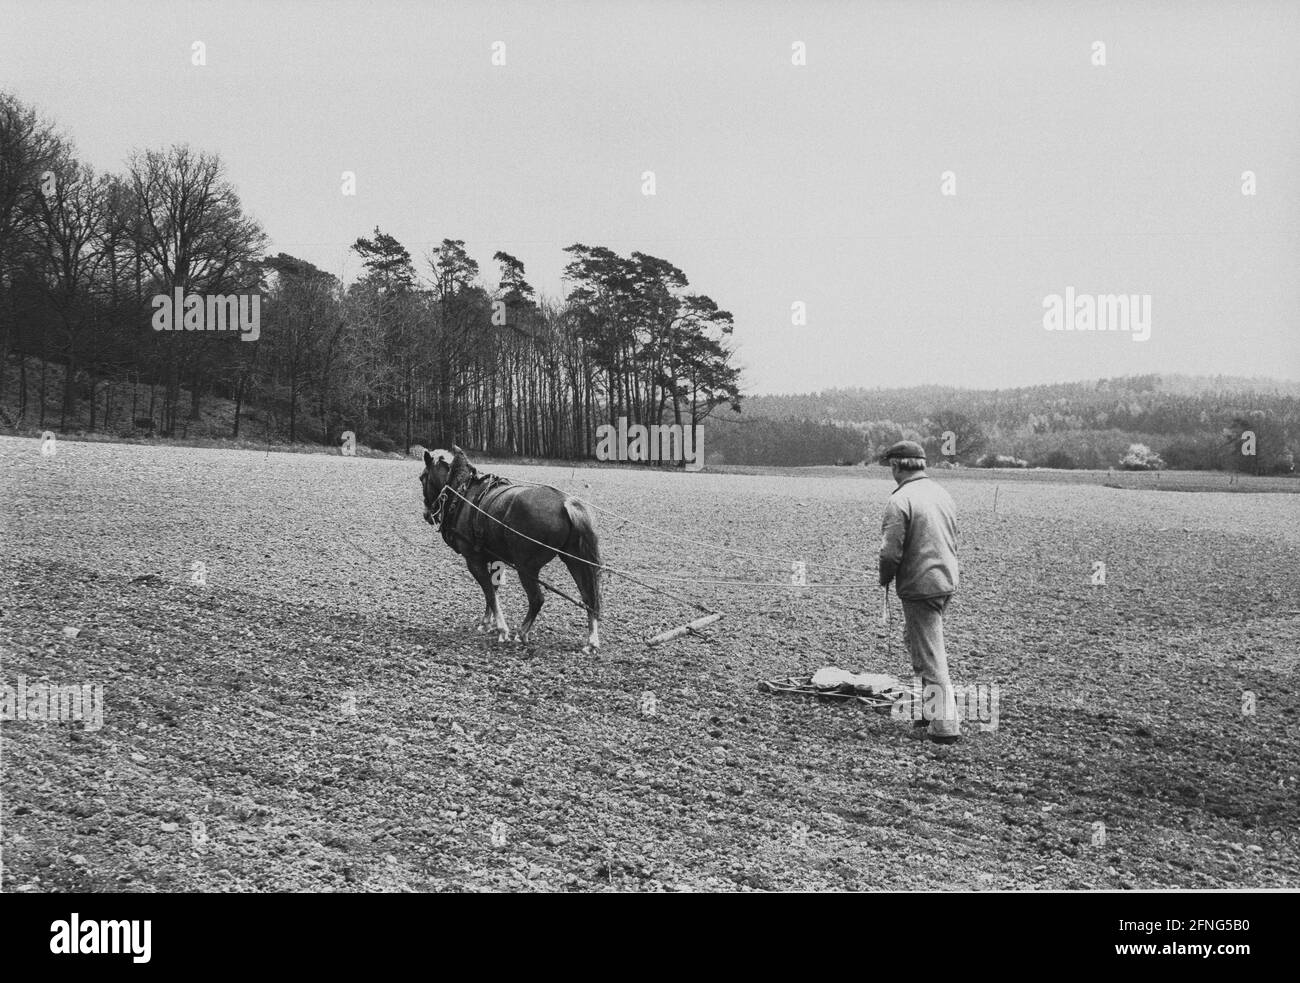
591,650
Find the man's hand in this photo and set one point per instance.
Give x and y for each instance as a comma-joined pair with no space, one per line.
887,570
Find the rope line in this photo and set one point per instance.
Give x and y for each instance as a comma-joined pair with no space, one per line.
652,576
606,568
761,583
765,612
549,587
692,539
591,563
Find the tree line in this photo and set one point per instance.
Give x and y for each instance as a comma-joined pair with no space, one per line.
1187,422
409,353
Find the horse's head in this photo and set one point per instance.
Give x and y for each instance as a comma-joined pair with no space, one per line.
442,469
437,468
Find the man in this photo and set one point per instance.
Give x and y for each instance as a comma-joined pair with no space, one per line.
918,553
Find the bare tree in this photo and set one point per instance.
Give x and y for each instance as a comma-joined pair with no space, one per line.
29,146
195,236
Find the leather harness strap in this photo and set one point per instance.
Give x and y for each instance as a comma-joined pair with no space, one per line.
449,509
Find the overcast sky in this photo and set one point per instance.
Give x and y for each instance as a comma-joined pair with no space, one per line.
775,182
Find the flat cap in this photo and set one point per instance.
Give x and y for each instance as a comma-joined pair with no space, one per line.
904,448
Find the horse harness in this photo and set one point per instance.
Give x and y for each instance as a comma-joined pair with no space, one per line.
447,509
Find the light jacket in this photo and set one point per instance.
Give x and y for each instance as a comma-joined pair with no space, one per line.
918,545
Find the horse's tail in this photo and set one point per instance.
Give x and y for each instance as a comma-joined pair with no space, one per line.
584,545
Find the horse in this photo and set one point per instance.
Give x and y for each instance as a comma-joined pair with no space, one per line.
491,520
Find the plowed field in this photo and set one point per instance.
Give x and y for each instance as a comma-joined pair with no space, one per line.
318,714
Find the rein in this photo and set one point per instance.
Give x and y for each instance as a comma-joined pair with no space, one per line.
439,504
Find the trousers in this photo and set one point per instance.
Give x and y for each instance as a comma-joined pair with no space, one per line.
923,635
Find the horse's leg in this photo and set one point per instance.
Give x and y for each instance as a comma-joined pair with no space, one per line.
593,634
584,575
478,567
528,578
489,598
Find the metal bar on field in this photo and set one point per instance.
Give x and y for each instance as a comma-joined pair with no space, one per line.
672,633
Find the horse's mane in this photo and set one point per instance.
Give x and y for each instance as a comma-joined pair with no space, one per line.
463,474
460,476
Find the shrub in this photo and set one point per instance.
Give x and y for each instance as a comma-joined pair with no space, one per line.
1140,457
383,444
1001,461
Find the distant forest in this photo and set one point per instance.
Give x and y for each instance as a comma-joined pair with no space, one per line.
1181,421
